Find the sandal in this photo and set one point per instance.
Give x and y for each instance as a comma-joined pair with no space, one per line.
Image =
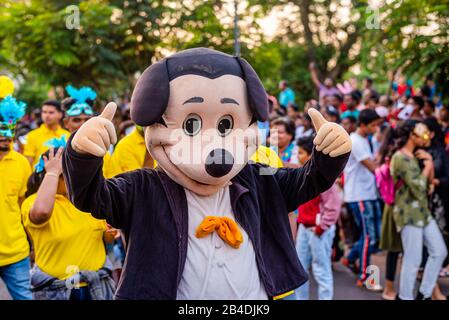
387,297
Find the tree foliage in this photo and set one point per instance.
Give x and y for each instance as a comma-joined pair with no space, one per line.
413,38
117,39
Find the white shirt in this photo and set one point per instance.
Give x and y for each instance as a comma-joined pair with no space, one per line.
213,269
300,132
360,183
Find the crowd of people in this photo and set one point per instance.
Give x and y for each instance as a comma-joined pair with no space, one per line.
393,194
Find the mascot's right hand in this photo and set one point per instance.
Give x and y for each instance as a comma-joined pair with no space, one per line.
96,135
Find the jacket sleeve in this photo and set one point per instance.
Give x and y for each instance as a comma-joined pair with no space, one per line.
90,192
317,175
330,207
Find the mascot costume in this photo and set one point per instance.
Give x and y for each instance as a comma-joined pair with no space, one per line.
205,224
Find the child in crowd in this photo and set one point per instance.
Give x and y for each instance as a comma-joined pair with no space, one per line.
316,232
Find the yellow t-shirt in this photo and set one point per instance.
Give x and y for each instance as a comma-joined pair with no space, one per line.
36,139
129,154
267,156
14,173
107,165
70,241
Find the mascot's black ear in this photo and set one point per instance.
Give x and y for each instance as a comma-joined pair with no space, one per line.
257,97
150,96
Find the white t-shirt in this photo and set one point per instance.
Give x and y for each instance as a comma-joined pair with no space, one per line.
360,183
300,132
213,269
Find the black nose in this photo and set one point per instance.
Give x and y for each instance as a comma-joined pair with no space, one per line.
219,162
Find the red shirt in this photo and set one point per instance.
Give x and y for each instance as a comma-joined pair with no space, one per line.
307,212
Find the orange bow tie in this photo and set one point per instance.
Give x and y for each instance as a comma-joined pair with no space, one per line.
227,229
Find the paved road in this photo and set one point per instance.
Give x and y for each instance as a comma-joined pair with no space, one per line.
344,282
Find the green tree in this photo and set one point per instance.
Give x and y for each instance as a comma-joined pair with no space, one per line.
413,38
327,32
115,41
329,27
36,43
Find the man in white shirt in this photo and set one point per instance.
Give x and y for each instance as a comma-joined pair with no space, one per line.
360,194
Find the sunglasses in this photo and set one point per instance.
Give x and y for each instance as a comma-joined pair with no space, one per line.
76,119
424,136
421,132
80,108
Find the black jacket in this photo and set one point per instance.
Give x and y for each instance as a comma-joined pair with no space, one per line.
151,209
441,165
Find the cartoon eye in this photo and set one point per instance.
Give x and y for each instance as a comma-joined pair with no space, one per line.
225,125
192,124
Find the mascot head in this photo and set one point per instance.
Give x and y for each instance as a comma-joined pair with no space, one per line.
200,109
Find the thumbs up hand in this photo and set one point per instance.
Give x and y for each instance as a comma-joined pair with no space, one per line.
96,135
331,138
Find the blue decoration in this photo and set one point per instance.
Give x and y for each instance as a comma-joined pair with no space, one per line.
55,143
39,167
80,96
11,111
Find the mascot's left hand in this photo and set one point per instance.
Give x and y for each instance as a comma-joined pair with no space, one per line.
331,138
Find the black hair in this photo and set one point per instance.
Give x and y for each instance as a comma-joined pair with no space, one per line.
426,91
288,124
434,126
387,146
151,93
355,95
333,112
307,118
338,96
403,131
369,80
430,103
389,101
419,101
306,143
36,178
367,116
22,129
351,119
373,95
293,105
396,138
54,103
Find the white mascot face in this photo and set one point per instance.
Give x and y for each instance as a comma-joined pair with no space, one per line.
203,133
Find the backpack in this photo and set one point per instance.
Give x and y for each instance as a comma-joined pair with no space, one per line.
385,183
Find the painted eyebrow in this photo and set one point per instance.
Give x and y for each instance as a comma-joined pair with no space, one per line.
229,100
194,100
